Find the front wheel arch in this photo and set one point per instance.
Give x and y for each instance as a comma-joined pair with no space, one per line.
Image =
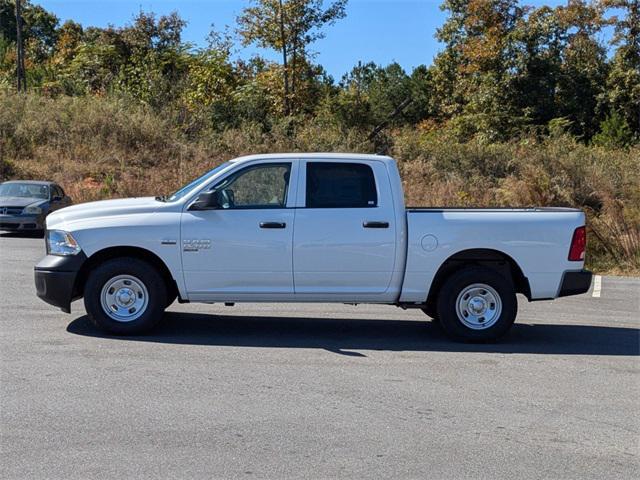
109,253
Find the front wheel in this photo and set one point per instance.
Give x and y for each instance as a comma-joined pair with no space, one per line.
431,312
125,296
477,304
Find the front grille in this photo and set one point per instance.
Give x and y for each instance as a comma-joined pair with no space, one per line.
11,210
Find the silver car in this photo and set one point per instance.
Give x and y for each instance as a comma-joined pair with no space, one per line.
24,204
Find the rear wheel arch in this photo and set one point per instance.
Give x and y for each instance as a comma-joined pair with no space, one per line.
126,251
494,259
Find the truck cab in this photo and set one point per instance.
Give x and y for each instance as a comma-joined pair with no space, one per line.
312,229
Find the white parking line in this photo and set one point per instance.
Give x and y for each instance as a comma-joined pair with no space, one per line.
597,286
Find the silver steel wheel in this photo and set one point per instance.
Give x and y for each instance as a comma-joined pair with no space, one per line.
478,306
124,298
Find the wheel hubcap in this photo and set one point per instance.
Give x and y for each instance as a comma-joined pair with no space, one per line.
124,298
478,306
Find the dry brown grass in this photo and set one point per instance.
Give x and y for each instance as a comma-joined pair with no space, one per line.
105,147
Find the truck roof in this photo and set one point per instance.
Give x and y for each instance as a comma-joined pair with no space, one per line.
319,155
31,182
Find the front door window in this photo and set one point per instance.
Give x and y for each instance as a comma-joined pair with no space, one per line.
261,187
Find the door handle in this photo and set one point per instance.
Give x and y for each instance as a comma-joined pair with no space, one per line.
375,224
273,225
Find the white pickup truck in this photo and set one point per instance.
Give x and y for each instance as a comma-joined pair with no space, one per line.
308,228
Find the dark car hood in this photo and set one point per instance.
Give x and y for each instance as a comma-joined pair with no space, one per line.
20,201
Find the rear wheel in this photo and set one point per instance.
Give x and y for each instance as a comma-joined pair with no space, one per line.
125,296
477,304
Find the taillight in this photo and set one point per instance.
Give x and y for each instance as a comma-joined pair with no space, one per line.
578,245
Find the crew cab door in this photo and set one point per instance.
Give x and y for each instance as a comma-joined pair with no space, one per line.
242,249
344,243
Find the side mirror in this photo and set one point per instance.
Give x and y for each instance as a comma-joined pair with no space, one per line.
56,198
207,201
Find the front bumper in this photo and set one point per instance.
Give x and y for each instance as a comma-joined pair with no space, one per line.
55,278
575,283
15,223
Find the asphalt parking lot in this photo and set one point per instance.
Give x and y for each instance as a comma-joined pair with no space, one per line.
316,391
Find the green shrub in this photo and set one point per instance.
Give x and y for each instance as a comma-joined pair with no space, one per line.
615,132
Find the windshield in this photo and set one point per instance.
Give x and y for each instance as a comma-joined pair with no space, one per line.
187,188
24,190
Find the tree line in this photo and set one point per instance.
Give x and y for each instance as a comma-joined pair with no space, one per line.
505,69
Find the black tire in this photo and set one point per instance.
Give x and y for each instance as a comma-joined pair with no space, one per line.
171,298
432,313
454,286
150,278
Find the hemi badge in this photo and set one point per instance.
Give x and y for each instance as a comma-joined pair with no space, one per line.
168,242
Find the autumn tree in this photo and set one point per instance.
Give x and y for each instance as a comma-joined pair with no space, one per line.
34,39
209,85
584,68
157,58
477,63
289,27
540,41
623,82
39,24
507,67
95,58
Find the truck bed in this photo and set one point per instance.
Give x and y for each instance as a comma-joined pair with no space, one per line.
539,238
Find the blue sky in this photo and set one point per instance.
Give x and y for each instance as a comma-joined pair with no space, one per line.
381,31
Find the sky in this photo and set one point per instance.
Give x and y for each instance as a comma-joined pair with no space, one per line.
381,31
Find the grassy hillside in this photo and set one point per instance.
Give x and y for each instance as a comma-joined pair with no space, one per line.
104,147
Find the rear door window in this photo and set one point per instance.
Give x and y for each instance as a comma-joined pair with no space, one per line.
340,185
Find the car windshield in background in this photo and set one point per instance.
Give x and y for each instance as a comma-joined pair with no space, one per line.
24,190
184,190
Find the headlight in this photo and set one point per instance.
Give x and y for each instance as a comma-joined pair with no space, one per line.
32,210
61,243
